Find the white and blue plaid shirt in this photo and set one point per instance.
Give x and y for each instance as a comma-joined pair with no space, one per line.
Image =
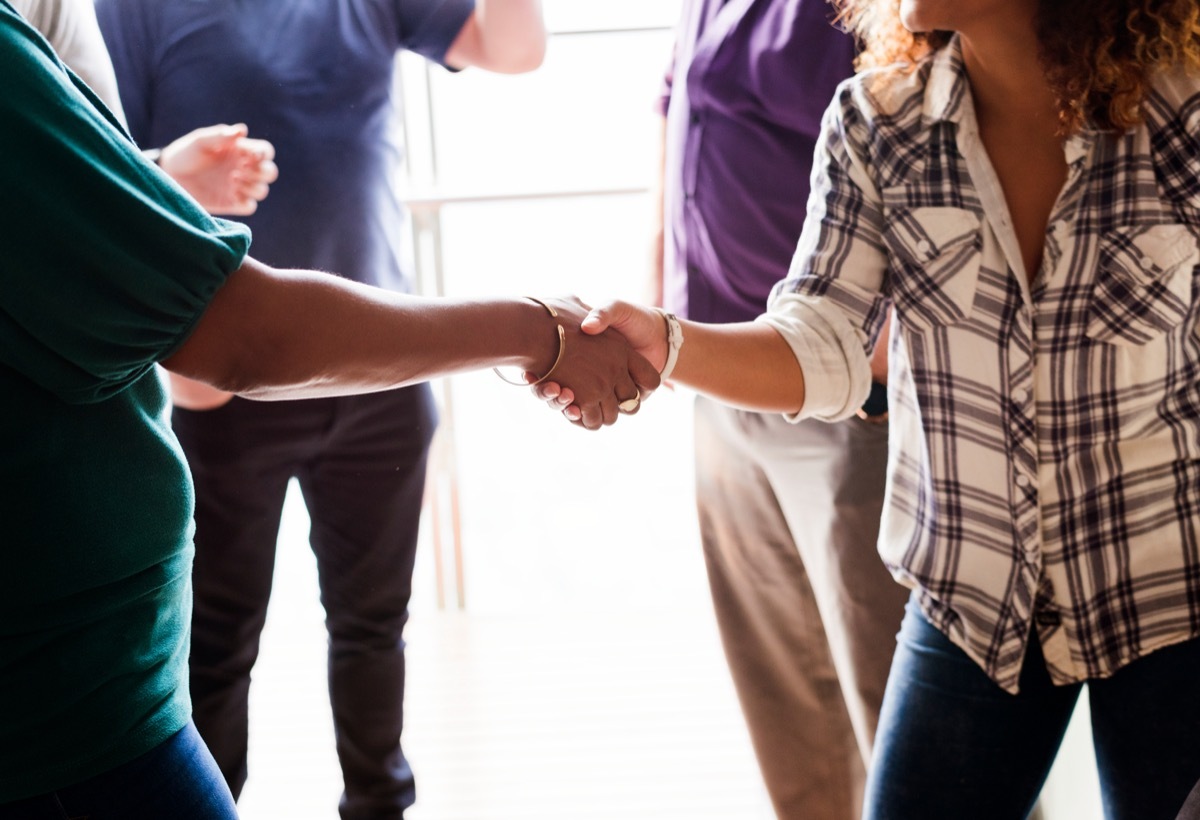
1045,456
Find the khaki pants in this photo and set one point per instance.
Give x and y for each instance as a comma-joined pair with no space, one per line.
789,516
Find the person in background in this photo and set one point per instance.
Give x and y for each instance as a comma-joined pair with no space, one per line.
315,79
109,268
1018,180
218,165
789,513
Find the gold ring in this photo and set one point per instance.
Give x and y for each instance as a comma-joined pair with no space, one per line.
629,405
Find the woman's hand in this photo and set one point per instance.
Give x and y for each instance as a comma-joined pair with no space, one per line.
645,330
599,372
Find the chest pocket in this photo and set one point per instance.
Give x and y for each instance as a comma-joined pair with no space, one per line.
935,259
1143,284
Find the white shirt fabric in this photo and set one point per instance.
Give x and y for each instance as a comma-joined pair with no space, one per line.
1045,432
71,28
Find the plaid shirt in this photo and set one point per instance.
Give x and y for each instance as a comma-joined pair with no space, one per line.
1045,456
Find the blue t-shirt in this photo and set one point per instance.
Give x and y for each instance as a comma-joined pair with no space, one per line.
314,78
106,267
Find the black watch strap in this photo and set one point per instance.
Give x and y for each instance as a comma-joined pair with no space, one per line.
876,405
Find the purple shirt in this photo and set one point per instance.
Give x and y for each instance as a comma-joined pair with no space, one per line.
757,75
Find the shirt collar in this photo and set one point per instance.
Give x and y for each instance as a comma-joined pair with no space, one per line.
947,91
948,99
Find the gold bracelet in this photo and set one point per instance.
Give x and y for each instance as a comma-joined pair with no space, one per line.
562,348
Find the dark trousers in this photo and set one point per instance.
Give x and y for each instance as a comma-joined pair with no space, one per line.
953,744
360,462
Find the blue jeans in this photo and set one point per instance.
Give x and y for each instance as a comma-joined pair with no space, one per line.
177,779
952,744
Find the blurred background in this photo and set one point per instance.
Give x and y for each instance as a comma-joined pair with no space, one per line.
563,660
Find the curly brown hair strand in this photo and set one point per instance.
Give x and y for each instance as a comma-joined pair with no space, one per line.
1100,56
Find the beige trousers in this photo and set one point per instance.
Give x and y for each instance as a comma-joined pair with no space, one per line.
789,516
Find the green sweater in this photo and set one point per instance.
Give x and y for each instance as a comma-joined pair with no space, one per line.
105,267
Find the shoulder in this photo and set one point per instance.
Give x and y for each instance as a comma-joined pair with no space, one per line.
882,116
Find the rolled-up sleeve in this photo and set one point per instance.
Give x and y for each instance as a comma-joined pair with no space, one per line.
831,307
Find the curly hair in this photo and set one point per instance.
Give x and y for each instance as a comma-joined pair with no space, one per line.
1099,55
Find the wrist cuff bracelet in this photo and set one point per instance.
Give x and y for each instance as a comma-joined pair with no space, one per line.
562,348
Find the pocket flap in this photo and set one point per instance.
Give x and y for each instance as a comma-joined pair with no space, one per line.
1152,252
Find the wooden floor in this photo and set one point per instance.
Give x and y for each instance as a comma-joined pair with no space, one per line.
520,717
584,679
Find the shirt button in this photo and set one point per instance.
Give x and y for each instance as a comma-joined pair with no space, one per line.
923,248
1020,395
1022,481
1146,262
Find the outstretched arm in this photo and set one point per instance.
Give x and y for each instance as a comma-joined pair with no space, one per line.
506,36
745,364
273,334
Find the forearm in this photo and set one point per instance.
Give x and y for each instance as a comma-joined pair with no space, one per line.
272,334
747,365
658,239
507,36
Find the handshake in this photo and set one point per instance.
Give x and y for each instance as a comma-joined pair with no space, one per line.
609,360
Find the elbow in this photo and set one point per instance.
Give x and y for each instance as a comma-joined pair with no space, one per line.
521,58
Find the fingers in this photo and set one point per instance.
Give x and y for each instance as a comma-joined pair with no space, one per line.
217,137
607,374
261,151
256,191
252,180
631,405
553,394
644,375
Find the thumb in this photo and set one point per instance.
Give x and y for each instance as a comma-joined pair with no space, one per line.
596,322
217,136
602,318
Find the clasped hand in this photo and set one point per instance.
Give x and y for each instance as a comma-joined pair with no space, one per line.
610,363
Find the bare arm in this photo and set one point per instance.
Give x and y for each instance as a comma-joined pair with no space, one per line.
273,334
506,36
658,239
744,364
